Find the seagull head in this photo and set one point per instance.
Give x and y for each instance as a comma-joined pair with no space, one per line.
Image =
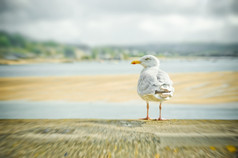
147,61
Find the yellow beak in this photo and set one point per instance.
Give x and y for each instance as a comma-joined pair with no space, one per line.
135,62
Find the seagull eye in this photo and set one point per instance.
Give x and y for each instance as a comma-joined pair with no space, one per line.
147,58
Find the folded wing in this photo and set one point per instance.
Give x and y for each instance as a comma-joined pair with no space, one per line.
165,89
158,84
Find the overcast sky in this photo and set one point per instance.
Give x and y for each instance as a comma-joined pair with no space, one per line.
101,22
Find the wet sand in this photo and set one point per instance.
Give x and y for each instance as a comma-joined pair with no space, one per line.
118,138
190,88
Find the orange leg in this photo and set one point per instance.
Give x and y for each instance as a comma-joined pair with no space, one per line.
160,108
147,116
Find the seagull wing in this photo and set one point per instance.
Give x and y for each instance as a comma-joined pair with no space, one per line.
165,88
158,84
147,84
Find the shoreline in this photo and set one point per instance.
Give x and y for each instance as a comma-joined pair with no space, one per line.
41,61
210,88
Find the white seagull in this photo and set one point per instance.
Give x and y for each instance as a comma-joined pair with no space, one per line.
153,84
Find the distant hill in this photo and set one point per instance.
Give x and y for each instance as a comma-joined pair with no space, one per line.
184,49
17,46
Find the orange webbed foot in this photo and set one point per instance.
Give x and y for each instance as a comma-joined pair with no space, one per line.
147,118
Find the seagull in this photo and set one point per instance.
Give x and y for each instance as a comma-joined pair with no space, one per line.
154,85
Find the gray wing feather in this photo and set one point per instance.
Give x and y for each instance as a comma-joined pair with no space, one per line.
147,84
158,83
166,89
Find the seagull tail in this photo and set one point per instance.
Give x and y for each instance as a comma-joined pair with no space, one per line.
166,91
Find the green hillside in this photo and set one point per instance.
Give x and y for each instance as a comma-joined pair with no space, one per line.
16,47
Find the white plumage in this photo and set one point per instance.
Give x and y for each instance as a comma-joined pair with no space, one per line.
154,84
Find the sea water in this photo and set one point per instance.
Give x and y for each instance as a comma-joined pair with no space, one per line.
101,110
117,67
129,110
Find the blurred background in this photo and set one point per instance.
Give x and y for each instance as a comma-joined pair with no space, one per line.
107,29
71,59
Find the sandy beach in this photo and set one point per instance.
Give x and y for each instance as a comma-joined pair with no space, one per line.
190,88
118,138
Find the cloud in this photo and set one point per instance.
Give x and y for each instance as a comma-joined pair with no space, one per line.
122,22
